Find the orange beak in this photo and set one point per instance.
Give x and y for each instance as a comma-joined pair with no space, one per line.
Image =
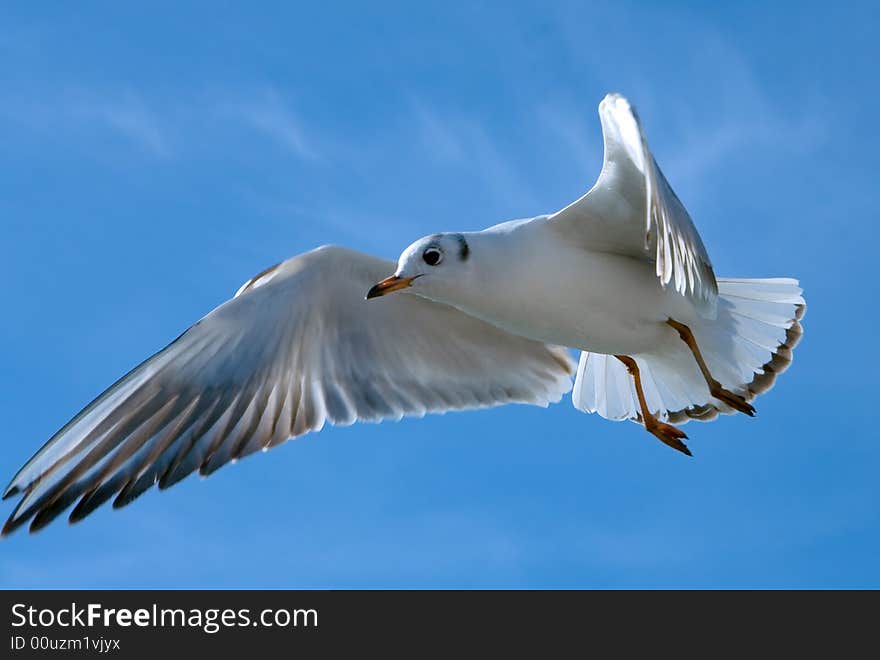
389,285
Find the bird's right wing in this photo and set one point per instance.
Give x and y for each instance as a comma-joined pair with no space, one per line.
297,347
632,210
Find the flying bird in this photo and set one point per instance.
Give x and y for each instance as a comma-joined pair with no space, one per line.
462,320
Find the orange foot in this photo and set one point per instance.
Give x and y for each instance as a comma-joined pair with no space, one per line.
669,435
735,401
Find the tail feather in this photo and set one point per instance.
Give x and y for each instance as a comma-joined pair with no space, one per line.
746,348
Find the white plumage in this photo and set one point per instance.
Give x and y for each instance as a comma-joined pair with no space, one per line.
746,347
632,210
296,348
481,319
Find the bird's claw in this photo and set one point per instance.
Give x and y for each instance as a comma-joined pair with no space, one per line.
735,401
669,435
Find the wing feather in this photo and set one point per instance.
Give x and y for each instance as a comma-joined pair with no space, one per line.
292,350
633,210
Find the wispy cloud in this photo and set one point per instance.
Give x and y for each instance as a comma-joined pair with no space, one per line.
127,115
120,113
148,121
466,143
699,111
269,113
575,137
737,115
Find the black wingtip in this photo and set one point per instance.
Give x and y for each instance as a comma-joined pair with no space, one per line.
10,526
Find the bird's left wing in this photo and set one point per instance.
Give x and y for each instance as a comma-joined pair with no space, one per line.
297,347
633,210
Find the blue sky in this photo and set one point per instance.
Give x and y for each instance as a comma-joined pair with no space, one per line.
152,159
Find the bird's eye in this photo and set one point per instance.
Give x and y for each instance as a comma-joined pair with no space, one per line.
432,256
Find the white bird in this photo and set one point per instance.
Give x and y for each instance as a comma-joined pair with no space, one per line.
480,319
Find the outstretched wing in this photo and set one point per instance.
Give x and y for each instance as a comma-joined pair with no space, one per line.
297,347
633,210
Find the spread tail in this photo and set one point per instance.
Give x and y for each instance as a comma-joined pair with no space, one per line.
746,347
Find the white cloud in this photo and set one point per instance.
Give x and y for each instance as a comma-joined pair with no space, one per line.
150,121
271,115
577,134
125,114
701,98
121,113
466,143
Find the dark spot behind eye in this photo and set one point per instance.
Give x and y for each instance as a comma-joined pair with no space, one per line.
463,249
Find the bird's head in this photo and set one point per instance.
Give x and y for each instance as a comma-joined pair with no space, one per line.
427,266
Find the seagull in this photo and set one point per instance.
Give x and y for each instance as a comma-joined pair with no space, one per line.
463,320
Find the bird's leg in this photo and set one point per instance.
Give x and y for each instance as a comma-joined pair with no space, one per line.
667,433
735,401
